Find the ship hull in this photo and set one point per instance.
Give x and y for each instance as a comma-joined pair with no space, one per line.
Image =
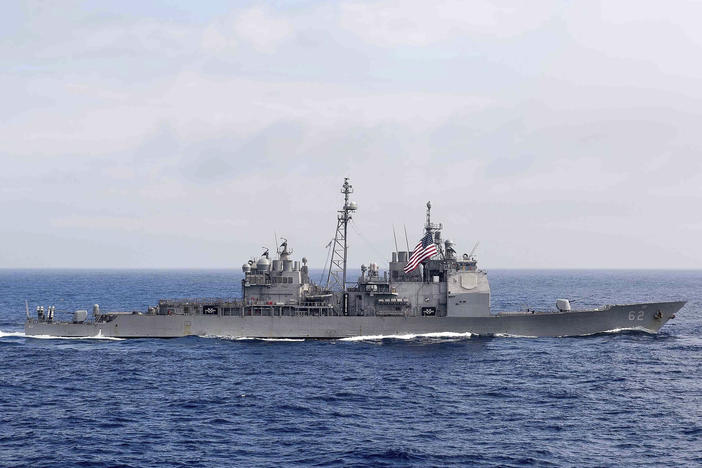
649,317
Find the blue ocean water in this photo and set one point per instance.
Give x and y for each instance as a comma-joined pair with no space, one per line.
605,400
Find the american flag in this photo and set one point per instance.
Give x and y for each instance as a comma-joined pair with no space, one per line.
426,248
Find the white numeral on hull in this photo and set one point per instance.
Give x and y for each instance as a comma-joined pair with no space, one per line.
633,315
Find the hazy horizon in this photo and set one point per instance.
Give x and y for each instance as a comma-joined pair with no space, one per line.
319,269
168,135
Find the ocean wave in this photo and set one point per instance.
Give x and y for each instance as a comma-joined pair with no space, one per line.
94,337
21,334
283,339
248,338
612,331
620,330
510,335
410,336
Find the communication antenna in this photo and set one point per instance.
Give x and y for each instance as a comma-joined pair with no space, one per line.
326,260
406,240
475,247
394,237
26,307
337,266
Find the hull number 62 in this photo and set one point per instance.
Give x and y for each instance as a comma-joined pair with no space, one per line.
633,315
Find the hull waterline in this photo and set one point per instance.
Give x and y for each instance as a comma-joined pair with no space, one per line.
649,317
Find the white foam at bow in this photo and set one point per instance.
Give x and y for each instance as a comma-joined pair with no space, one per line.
619,330
4,334
612,331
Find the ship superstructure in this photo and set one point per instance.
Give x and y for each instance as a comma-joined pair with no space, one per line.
443,293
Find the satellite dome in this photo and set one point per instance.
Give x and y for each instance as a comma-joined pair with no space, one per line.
263,263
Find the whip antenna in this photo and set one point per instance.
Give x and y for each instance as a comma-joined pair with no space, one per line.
475,247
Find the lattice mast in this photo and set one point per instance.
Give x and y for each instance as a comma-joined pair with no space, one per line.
337,266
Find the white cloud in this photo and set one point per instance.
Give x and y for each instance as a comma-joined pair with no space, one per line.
216,39
390,23
529,126
262,29
257,27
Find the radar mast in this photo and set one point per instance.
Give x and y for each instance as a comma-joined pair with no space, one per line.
434,230
429,226
337,266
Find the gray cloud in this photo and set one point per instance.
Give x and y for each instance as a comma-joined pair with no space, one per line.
560,134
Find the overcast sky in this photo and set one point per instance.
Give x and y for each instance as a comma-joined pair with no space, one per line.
185,134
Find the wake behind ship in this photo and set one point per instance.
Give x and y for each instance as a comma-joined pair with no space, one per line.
429,289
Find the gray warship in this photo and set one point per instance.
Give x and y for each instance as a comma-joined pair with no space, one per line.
428,290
